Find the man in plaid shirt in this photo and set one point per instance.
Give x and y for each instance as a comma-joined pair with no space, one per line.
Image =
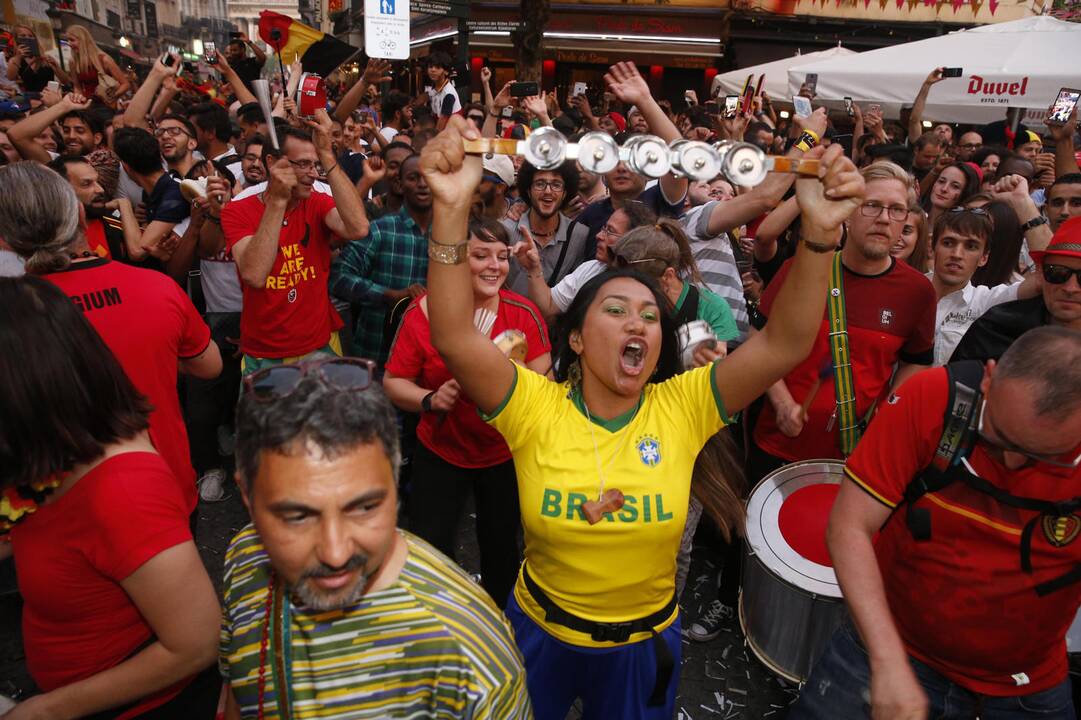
388,266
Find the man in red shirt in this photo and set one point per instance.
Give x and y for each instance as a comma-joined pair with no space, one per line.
143,316
972,616
890,311
281,238
108,236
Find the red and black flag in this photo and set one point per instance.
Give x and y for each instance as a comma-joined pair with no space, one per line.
318,52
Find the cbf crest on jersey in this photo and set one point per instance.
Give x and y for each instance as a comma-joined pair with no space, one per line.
649,450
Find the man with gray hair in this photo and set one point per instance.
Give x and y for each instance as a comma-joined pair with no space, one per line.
969,477
327,604
143,316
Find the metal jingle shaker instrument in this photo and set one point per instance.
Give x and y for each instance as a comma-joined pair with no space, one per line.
740,163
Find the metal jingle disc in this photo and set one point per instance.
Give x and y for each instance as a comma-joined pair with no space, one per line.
744,164
648,155
697,160
598,153
545,148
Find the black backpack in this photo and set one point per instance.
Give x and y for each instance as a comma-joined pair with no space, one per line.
954,446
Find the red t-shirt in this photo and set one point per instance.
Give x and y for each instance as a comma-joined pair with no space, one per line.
71,556
292,315
95,238
460,437
960,600
891,317
149,324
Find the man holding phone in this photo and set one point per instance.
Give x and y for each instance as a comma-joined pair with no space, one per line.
236,53
915,120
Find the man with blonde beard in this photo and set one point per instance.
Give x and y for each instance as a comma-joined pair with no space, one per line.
888,311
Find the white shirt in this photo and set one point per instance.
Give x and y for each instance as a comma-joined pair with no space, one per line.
564,291
437,97
389,133
958,310
234,167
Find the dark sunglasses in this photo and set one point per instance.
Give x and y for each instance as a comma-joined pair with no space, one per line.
1060,274
342,373
478,119
975,211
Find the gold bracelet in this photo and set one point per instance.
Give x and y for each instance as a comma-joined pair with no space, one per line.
448,254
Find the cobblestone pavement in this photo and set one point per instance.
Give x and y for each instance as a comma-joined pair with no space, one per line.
719,679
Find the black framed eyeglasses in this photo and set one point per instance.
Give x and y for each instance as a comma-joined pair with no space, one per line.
1060,274
873,209
171,131
350,374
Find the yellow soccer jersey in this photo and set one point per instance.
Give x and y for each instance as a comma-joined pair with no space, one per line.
624,567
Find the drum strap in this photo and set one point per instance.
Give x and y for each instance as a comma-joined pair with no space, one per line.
614,632
843,384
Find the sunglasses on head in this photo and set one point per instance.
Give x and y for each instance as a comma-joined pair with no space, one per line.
622,262
342,373
1060,274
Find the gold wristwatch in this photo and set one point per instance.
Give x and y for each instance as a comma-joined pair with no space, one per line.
448,254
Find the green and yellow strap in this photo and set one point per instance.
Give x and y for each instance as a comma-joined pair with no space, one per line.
843,384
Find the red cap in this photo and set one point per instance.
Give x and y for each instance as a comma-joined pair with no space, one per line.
1066,242
619,120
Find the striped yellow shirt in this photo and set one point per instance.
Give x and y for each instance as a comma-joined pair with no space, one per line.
433,645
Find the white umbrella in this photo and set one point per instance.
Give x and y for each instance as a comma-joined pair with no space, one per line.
1021,64
776,72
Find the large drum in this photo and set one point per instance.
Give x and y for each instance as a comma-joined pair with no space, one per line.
790,602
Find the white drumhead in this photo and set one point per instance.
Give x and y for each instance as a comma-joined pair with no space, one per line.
764,534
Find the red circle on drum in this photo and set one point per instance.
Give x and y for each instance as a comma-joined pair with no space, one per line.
803,519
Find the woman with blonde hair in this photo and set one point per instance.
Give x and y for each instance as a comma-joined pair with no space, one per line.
94,73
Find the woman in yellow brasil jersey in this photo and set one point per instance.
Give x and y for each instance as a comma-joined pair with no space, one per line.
593,610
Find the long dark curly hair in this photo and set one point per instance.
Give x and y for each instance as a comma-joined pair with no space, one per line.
668,364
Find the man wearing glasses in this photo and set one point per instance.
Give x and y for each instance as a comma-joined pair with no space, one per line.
1059,302
281,239
889,312
329,609
559,241
959,607
176,139
969,143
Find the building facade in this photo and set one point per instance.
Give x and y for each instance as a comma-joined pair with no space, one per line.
245,13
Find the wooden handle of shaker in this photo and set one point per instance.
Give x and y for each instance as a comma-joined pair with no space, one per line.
792,165
483,146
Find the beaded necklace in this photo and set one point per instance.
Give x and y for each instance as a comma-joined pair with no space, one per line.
276,643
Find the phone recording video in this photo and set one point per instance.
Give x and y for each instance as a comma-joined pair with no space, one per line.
731,105
848,107
524,89
1062,109
210,53
952,72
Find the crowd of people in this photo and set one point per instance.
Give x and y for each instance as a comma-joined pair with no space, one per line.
371,326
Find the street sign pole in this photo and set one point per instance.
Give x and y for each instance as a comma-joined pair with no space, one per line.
463,59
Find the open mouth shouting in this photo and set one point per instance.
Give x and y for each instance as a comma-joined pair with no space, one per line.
632,358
